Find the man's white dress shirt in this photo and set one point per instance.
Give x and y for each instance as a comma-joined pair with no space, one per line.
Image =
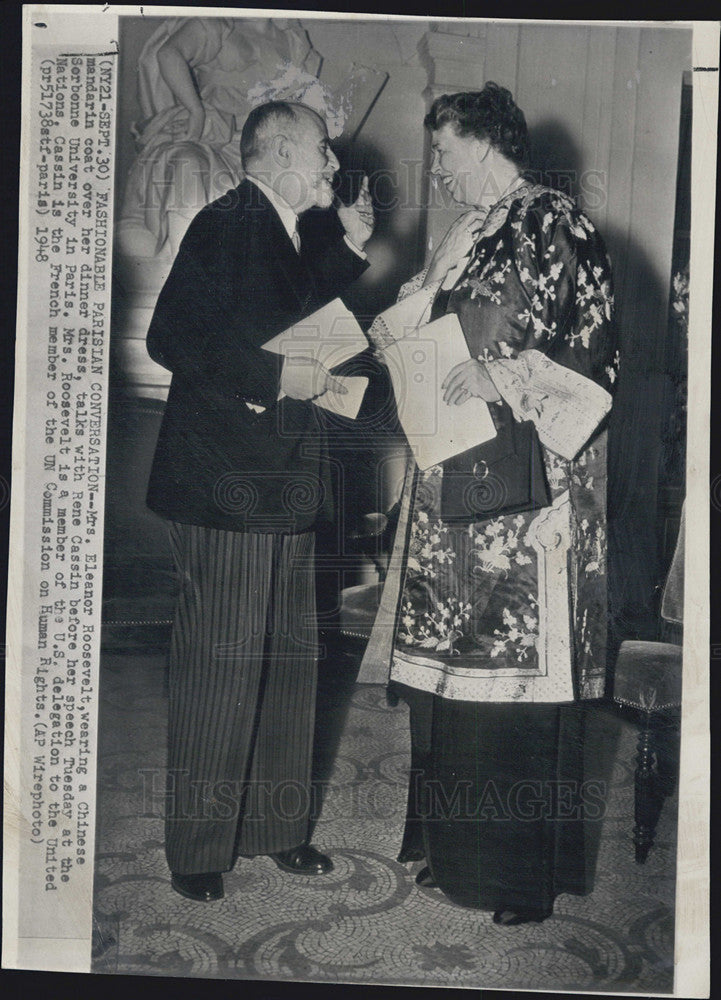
289,218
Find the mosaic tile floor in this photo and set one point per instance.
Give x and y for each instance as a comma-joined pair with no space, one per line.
367,922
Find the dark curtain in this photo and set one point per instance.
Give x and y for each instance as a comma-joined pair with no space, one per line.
647,432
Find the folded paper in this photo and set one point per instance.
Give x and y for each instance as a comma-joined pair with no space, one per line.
418,363
330,336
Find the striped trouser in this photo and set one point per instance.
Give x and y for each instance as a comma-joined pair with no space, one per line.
242,680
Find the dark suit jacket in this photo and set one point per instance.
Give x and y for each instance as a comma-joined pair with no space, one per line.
236,282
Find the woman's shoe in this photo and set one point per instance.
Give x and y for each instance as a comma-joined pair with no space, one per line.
303,860
425,879
512,918
410,854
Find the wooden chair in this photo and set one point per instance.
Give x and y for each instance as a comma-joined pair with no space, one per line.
359,604
648,680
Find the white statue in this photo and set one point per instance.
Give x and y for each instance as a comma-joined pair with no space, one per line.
198,80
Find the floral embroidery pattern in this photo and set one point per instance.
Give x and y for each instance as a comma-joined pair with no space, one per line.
612,369
557,469
519,634
681,284
429,546
499,545
484,281
592,541
435,629
427,621
595,299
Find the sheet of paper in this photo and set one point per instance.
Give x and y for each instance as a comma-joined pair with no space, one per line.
418,365
349,404
331,335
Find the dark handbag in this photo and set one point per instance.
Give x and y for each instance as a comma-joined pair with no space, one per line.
505,475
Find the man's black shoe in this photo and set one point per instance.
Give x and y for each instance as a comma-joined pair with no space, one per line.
202,888
303,860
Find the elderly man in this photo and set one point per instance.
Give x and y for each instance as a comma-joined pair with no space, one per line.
243,478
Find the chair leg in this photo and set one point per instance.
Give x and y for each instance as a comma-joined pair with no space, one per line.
646,806
667,755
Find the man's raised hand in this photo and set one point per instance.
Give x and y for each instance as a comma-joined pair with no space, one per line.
358,219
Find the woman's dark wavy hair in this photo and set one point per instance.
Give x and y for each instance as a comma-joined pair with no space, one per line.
490,114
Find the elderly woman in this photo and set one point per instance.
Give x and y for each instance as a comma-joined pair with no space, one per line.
498,573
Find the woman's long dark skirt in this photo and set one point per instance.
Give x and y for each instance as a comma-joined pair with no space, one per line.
496,799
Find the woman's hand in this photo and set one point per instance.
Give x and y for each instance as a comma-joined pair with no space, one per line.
469,378
455,245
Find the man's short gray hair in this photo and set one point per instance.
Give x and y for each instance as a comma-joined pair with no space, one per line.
259,128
